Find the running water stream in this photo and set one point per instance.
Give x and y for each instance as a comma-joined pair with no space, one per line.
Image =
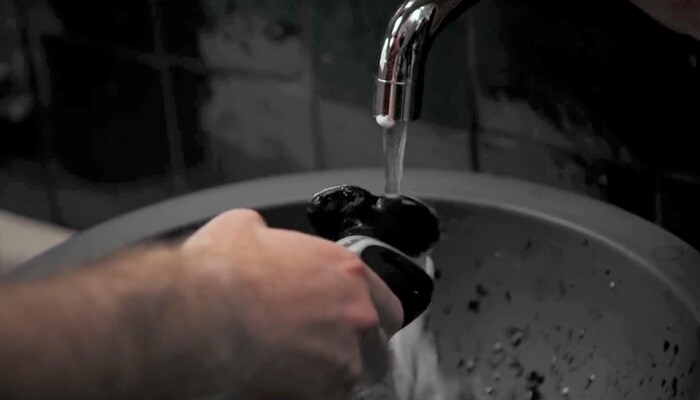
394,149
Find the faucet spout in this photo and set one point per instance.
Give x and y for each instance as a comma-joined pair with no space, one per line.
404,48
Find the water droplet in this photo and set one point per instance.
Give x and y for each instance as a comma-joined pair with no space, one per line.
674,387
589,381
515,336
517,367
562,289
612,284
481,291
565,390
497,347
489,390
471,364
534,380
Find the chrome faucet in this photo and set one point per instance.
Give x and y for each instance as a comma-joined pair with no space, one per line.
404,48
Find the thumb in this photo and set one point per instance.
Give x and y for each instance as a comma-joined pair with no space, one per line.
388,306
374,349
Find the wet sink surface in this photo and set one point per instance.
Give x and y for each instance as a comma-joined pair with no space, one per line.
521,304
539,293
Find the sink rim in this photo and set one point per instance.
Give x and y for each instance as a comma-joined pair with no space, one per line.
669,258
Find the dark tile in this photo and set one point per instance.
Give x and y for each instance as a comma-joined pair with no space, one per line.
680,213
255,110
352,139
577,68
84,203
109,133
257,39
631,189
346,43
126,24
21,138
446,72
191,95
24,186
258,128
511,156
181,24
24,189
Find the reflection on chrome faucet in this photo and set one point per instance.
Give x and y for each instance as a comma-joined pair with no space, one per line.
404,47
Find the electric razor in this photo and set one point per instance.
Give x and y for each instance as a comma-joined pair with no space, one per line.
390,234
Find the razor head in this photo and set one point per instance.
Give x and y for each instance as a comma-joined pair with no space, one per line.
386,232
403,222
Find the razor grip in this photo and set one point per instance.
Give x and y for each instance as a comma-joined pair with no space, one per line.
404,277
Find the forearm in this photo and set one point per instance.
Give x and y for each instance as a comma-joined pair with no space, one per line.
682,16
125,329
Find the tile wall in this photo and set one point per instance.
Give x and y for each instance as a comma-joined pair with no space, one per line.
110,106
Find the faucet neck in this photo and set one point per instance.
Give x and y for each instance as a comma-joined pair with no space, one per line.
404,48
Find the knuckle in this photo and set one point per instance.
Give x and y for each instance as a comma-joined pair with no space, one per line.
244,215
365,316
353,264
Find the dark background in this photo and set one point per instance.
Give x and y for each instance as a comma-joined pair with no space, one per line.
107,106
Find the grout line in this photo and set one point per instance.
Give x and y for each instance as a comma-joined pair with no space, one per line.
177,162
156,59
475,128
658,209
307,22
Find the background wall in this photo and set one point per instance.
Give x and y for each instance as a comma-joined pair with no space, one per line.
109,106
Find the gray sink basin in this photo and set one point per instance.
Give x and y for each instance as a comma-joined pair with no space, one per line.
537,290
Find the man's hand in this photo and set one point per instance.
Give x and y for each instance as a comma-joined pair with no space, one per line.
304,304
237,308
682,16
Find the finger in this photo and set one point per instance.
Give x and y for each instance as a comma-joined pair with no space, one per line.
375,356
388,306
243,216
